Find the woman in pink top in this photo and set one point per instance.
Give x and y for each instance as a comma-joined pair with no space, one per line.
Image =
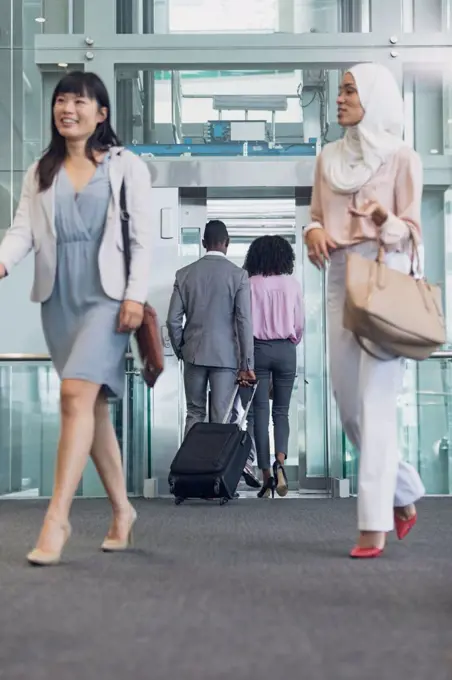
277,309
368,187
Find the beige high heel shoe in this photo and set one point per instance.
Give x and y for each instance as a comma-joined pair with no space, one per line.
43,558
118,545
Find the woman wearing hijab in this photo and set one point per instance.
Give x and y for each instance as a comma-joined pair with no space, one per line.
368,189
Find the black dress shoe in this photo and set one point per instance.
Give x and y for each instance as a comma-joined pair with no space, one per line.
249,476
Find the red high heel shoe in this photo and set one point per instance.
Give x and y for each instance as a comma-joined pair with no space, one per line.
359,553
404,526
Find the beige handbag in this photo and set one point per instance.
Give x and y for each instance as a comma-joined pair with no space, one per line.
400,314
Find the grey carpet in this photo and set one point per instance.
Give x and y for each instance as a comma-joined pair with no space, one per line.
256,589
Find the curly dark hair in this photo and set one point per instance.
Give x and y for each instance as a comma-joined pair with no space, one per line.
269,256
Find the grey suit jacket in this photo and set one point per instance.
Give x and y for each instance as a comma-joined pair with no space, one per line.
214,296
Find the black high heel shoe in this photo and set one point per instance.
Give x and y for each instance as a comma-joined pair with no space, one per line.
267,489
282,486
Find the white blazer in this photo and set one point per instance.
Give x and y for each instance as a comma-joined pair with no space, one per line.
34,228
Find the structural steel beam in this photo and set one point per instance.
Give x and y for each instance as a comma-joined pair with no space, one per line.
259,172
186,52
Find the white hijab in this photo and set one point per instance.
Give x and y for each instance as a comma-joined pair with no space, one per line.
352,161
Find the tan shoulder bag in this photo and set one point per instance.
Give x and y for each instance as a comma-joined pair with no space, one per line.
400,314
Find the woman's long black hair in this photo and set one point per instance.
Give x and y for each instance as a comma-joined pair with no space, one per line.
269,256
103,138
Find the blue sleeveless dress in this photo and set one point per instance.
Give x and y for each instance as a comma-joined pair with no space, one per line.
79,319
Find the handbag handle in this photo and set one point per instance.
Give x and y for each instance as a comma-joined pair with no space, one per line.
125,217
380,259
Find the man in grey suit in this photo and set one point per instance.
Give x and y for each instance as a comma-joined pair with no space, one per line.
216,342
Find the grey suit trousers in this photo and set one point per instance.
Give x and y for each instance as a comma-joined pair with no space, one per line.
196,380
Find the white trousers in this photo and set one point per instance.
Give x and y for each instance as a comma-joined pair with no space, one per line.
366,391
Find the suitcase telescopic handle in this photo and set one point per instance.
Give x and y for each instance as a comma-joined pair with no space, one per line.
253,384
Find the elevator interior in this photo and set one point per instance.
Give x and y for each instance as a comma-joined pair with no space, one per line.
253,197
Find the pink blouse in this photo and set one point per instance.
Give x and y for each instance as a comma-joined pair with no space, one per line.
277,308
397,186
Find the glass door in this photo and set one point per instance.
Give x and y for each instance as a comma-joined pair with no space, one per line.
246,219
239,244
318,427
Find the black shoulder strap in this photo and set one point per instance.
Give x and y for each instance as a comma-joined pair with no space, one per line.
125,229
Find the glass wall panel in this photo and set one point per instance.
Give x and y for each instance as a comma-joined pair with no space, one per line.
148,101
153,105
200,87
32,88
425,426
59,16
427,92
234,16
20,112
429,437
316,370
426,16
30,425
446,256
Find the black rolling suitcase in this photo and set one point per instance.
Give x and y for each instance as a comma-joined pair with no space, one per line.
211,458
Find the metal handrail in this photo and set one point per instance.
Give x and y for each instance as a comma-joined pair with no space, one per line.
16,358
440,354
24,357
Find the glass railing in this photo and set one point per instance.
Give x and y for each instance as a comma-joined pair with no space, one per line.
425,424
30,424
29,428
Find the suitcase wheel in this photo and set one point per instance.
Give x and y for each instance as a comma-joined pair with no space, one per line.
178,500
223,501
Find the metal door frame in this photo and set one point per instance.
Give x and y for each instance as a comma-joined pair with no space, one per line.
198,181
298,474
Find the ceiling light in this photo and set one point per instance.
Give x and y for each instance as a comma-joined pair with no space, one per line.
62,64
40,20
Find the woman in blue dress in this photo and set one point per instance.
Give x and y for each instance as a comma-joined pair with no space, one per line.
69,215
